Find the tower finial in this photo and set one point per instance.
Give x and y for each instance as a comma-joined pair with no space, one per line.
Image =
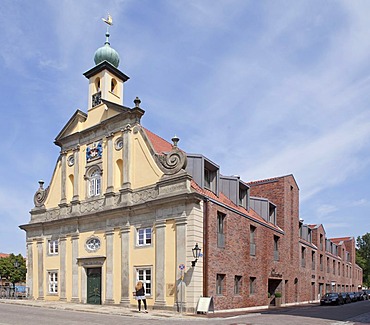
106,53
109,22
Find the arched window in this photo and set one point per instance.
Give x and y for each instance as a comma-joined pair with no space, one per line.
94,182
113,86
97,84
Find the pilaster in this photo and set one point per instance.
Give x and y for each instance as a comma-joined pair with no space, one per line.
181,224
62,269
63,199
30,268
125,265
75,296
40,269
126,156
109,193
76,171
160,245
109,235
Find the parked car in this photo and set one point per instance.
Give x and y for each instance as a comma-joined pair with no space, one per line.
366,294
332,298
352,296
21,291
358,296
346,297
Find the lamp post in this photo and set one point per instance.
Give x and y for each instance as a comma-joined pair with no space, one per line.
196,253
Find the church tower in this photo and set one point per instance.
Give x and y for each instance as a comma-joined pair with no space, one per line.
105,80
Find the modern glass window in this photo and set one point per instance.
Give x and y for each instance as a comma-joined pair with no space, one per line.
327,265
252,285
276,248
252,240
53,282
53,247
221,229
313,260
333,267
237,284
144,236
145,276
207,178
303,256
95,183
220,284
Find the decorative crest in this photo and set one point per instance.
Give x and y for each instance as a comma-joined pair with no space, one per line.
40,195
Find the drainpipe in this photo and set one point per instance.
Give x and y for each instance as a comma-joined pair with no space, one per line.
205,248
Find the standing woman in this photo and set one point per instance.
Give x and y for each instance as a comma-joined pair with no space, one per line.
140,295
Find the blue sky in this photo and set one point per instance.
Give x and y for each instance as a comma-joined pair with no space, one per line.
262,88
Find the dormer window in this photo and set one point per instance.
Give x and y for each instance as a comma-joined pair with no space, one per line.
210,177
207,178
272,213
309,235
242,194
204,172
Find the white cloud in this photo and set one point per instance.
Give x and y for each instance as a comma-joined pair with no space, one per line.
325,210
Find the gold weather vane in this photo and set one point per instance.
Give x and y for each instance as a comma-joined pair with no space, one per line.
109,20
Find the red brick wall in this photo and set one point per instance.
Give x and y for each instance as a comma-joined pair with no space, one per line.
297,283
235,259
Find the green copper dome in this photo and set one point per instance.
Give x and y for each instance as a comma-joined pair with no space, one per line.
106,53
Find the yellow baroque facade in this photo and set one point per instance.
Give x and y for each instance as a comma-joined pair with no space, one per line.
119,208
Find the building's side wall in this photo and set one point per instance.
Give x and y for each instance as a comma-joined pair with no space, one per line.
284,193
234,259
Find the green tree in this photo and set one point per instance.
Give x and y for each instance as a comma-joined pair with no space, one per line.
363,257
13,268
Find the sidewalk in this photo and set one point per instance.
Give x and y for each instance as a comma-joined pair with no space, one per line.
133,312
101,309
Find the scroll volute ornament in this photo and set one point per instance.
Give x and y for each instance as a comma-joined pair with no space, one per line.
172,162
40,195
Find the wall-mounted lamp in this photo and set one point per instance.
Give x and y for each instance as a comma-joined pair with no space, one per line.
196,253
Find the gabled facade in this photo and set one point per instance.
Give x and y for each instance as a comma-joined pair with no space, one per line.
124,205
118,209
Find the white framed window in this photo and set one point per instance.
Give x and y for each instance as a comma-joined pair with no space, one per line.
145,276
53,247
95,183
53,282
144,236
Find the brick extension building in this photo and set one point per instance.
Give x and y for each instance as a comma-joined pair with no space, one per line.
125,205
272,251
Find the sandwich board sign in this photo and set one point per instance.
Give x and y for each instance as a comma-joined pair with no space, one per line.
205,305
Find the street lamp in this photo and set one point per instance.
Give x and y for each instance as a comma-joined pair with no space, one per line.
196,253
